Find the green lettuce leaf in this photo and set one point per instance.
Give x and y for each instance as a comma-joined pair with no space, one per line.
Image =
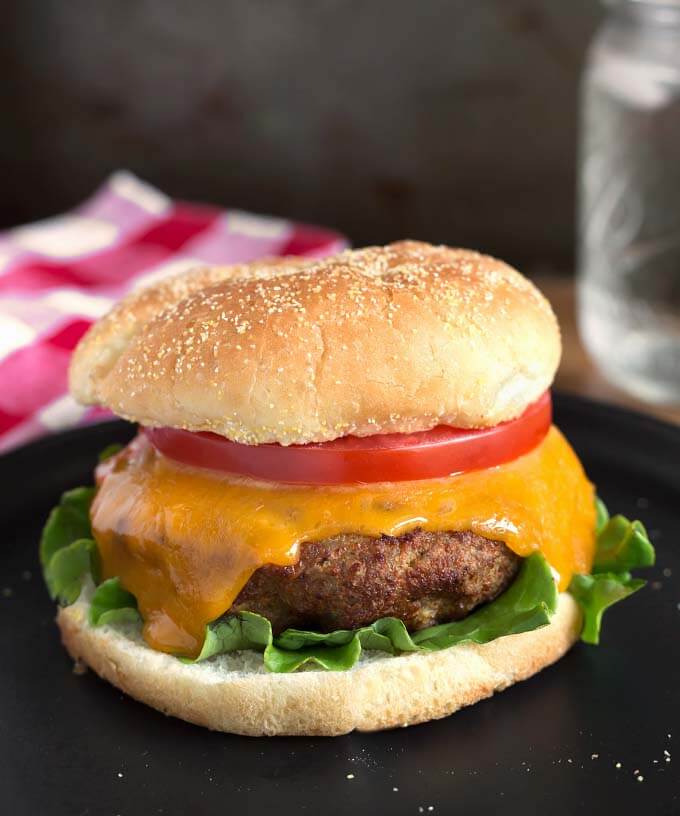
109,451
111,603
527,604
234,633
68,568
67,522
332,658
67,551
595,593
621,546
248,630
601,515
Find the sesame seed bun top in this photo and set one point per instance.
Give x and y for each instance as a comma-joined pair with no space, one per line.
386,339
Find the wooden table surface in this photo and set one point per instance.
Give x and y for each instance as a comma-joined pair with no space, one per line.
577,374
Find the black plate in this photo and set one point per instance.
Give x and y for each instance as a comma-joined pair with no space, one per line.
72,744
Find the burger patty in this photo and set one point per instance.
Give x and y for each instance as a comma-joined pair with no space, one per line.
351,580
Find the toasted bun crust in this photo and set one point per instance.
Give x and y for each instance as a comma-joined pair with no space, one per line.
386,339
234,693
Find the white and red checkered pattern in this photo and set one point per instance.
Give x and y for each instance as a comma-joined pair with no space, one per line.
59,275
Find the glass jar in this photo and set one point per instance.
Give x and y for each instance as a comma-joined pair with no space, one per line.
629,199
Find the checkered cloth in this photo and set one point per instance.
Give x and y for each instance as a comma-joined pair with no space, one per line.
59,275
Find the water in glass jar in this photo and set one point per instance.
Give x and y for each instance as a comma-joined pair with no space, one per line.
629,220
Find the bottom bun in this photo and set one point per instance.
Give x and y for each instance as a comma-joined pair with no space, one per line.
235,693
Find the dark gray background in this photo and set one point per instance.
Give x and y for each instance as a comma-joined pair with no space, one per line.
447,120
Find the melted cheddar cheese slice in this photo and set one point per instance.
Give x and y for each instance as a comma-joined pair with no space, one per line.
185,541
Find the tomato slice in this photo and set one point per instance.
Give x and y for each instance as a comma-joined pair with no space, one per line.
442,451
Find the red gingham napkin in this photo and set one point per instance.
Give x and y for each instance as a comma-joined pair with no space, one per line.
58,276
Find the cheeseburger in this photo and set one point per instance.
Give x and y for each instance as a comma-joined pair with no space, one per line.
345,507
